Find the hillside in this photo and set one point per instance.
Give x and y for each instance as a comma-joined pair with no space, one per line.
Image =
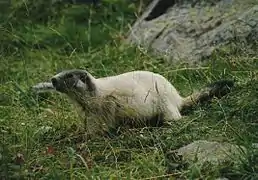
41,138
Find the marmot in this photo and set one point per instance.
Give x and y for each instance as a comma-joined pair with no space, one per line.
132,97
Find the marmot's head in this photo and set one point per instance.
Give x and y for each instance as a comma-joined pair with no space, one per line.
74,80
70,81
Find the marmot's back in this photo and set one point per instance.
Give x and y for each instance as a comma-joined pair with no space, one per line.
137,81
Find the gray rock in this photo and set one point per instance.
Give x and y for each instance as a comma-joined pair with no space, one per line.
210,158
192,30
214,153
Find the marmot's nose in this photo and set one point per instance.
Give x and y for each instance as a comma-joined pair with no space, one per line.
54,81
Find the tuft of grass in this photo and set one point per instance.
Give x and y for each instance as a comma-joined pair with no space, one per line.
40,138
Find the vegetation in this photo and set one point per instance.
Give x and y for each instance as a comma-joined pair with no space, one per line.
39,138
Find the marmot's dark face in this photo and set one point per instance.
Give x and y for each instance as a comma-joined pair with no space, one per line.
73,81
65,83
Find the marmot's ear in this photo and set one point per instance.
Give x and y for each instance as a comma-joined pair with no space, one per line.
83,77
86,78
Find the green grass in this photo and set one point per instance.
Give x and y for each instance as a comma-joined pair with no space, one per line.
34,48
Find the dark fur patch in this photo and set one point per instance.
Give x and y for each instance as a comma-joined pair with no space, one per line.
124,124
155,121
216,89
220,88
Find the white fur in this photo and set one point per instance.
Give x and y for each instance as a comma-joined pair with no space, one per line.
146,92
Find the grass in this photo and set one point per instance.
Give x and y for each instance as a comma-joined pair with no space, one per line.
39,139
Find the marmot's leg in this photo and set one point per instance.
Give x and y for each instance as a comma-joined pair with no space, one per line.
171,113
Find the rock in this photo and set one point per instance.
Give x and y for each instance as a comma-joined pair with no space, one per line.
213,152
192,30
207,156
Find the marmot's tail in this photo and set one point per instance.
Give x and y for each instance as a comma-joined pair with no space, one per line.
216,89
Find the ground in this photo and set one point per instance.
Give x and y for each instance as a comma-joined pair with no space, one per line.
40,138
